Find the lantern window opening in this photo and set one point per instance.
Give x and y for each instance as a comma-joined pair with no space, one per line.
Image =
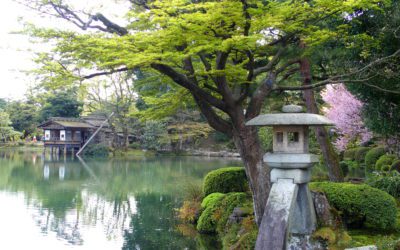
279,137
293,137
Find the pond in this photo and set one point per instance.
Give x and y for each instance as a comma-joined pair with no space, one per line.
96,203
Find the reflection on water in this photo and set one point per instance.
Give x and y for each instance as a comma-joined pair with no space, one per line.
96,204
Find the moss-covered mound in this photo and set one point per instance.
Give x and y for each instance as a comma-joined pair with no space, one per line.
217,210
372,156
225,180
360,205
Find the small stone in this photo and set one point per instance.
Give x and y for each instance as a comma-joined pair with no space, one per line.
292,109
237,215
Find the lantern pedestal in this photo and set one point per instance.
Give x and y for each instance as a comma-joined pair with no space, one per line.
289,216
289,210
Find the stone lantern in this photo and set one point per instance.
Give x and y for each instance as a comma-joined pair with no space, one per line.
289,215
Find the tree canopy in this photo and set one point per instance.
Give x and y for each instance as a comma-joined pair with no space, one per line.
228,56
61,104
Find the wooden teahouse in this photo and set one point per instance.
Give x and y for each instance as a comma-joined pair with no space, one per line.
66,134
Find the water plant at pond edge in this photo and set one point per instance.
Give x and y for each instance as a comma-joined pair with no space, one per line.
96,150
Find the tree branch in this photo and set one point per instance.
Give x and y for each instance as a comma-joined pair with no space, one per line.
105,73
270,64
342,78
213,119
361,81
183,81
259,95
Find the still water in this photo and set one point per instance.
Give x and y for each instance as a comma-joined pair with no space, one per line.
97,203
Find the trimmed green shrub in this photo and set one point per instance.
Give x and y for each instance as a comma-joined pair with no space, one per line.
360,205
217,211
228,203
349,154
135,145
225,180
395,166
359,154
207,222
389,183
372,156
211,199
385,160
98,150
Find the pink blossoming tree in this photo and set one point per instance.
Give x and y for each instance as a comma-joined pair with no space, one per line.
344,110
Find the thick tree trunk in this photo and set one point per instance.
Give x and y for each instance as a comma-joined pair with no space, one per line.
329,154
246,141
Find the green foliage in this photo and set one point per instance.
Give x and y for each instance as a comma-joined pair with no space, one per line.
395,166
134,145
225,180
266,136
349,154
24,116
372,156
381,109
215,215
96,150
384,162
153,133
207,222
344,166
226,206
241,235
7,132
61,104
389,183
360,153
360,205
3,103
211,199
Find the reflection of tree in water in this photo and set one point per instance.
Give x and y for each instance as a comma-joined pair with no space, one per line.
131,202
114,215
154,226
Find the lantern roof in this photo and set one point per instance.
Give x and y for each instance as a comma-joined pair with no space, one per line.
291,116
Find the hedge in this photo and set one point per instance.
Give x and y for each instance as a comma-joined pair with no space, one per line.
360,205
218,209
360,153
97,150
372,156
384,162
349,154
225,180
